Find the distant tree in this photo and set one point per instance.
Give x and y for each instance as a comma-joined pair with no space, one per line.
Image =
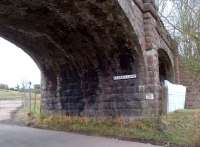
37,86
4,86
182,19
24,85
17,88
12,89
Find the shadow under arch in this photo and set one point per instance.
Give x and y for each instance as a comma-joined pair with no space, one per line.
166,67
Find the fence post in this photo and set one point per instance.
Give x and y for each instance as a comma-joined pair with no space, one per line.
30,97
25,101
35,102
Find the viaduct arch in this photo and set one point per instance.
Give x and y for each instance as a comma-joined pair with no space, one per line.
81,45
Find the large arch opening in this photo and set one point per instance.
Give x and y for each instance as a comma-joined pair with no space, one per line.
166,71
79,47
19,82
17,66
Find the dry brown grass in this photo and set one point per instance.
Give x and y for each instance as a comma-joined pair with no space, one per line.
181,128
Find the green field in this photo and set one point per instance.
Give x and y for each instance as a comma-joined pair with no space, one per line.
8,94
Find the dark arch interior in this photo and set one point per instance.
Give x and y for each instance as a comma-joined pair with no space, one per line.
127,62
165,67
79,47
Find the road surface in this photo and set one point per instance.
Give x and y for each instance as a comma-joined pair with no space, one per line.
15,136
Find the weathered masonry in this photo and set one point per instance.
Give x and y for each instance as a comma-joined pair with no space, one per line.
97,57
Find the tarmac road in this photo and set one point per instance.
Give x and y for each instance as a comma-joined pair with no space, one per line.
16,136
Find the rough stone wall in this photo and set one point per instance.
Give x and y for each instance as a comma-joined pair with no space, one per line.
134,12
95,93
191,81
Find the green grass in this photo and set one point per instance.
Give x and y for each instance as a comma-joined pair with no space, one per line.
36,105
179,128
182,127
143,129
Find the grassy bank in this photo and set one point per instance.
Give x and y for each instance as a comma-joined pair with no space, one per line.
181,128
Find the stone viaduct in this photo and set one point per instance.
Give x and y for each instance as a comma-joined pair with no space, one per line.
81,46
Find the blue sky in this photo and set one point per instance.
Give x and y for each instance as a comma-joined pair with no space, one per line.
16,66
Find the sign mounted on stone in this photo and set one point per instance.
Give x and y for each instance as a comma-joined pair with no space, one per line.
149,96
124,77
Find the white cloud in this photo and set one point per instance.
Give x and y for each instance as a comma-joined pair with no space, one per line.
16,65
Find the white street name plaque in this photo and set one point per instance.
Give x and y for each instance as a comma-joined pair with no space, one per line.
124,77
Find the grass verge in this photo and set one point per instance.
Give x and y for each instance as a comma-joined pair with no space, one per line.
181,128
